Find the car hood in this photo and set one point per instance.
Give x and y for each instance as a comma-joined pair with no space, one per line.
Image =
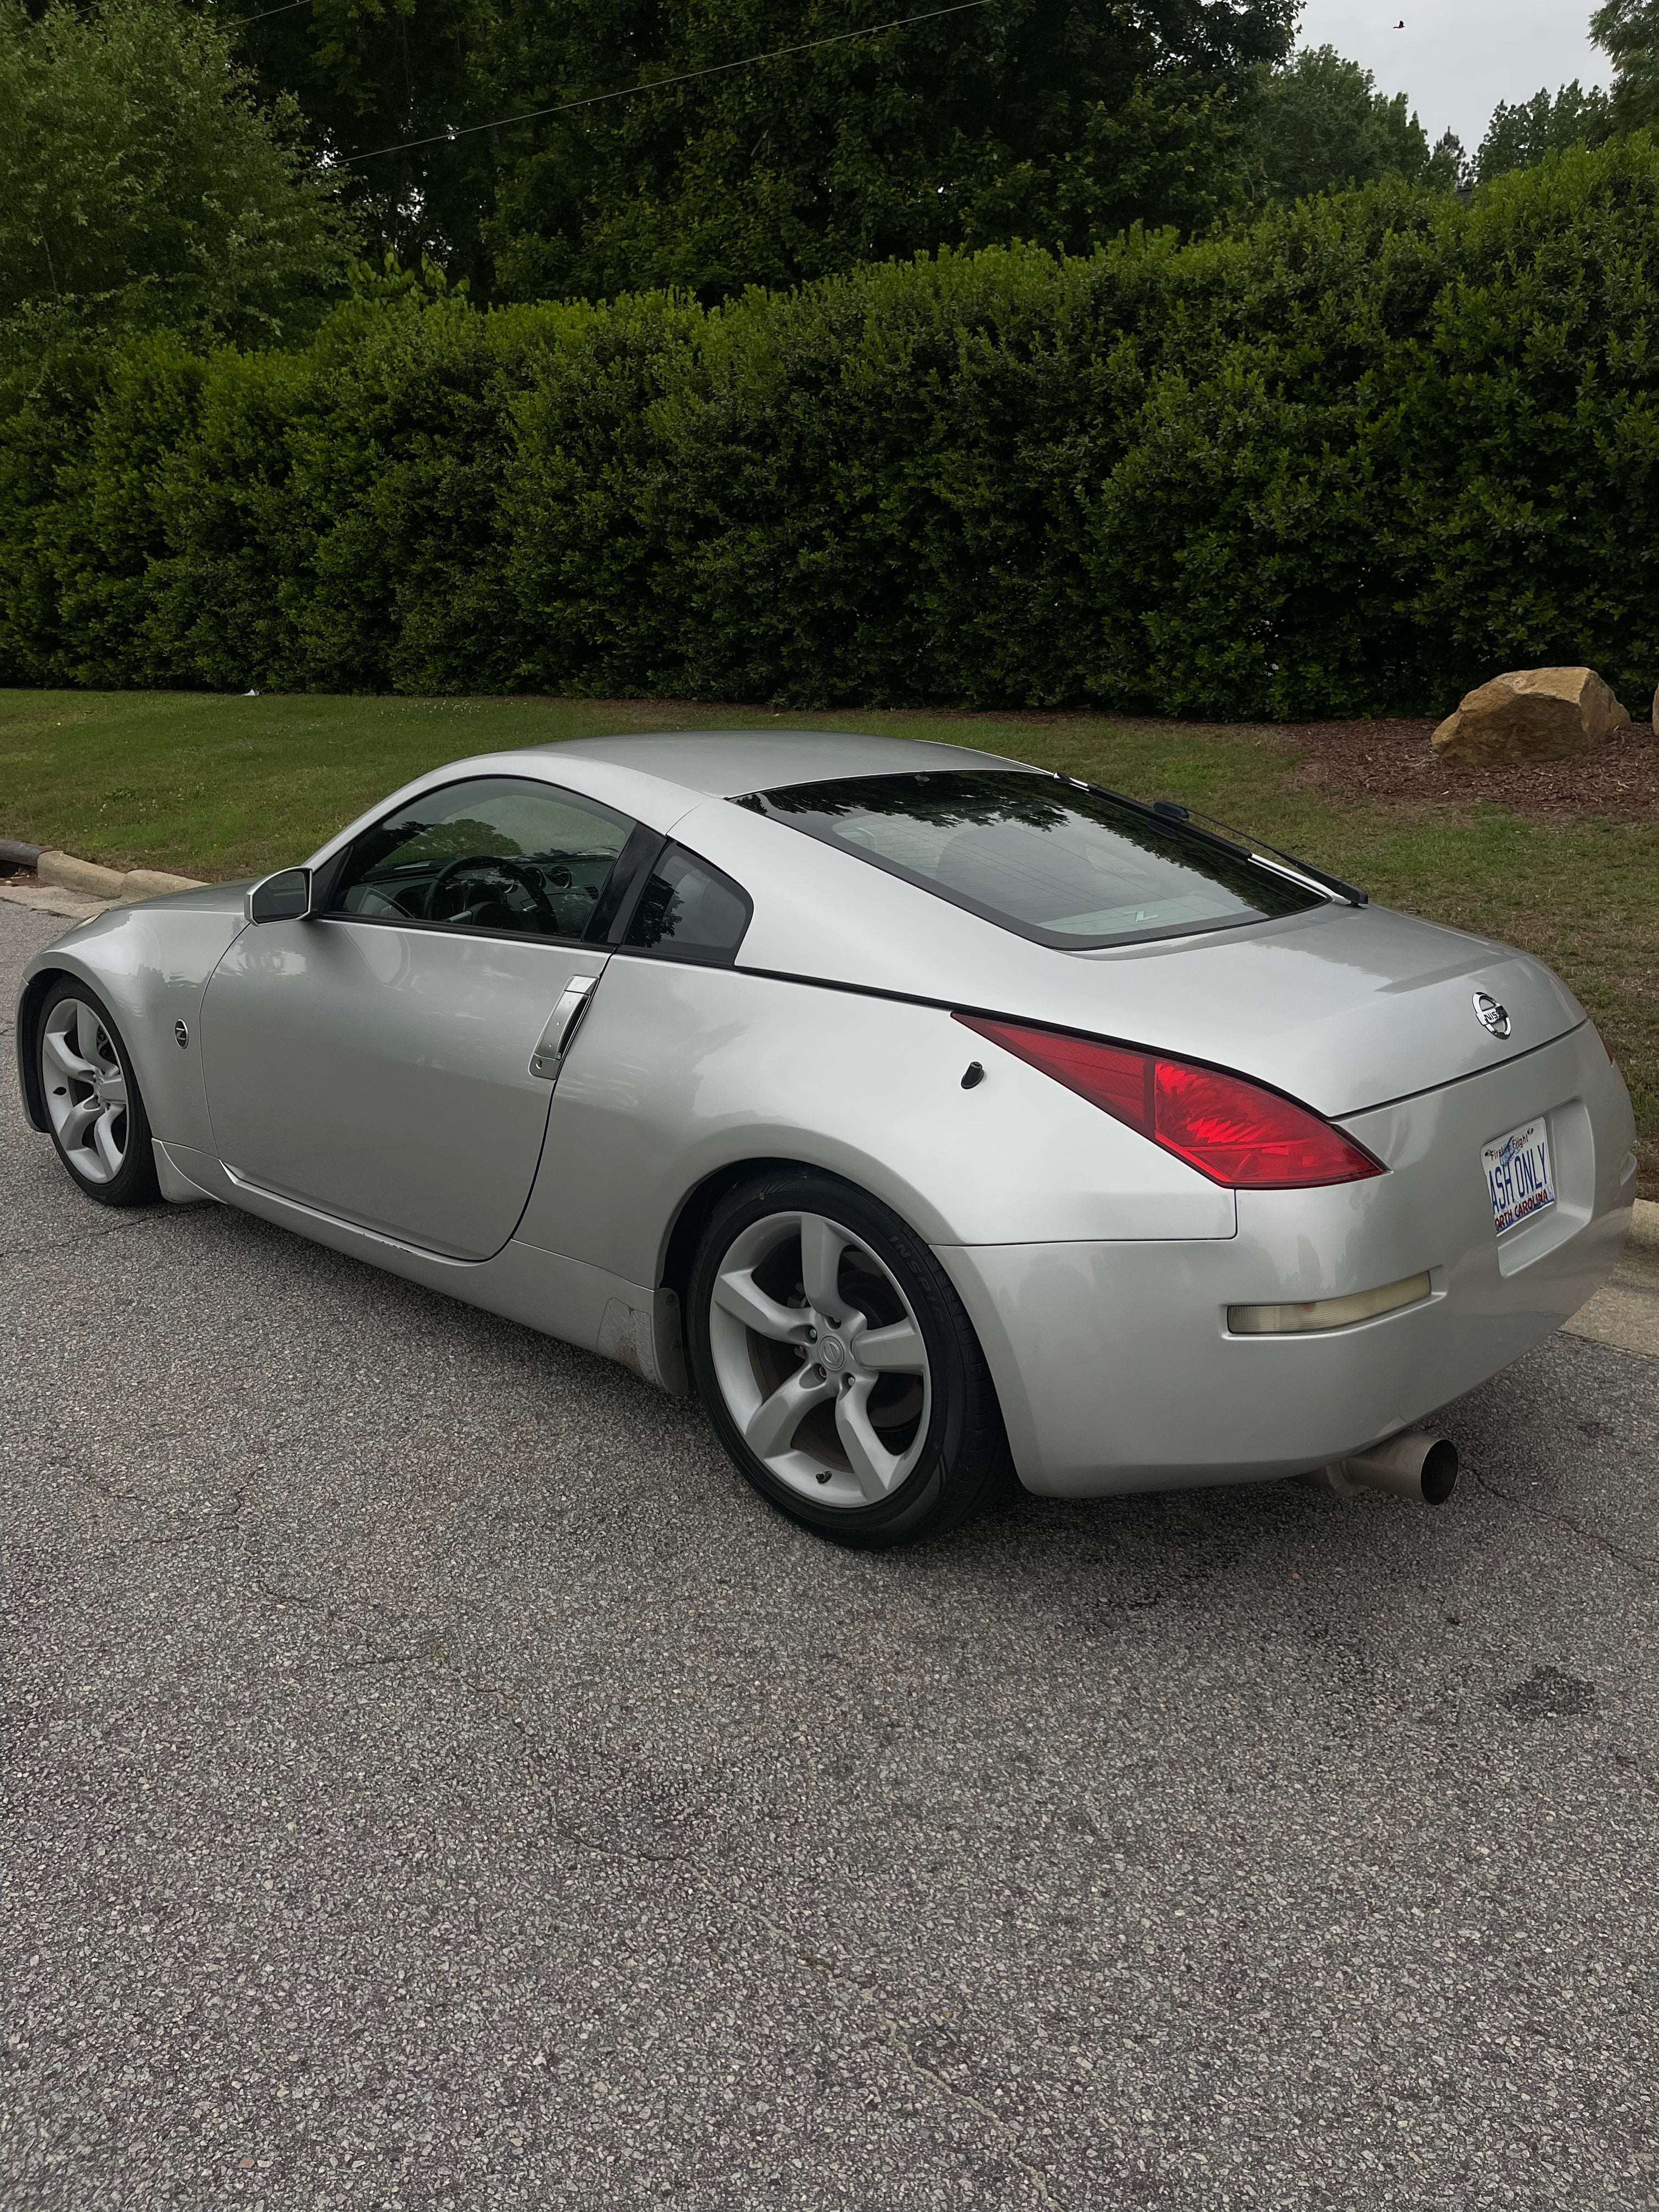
1344,1007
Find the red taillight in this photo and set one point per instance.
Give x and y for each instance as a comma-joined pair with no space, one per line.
1231,1130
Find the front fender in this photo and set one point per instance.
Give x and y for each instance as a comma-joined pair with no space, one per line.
150,963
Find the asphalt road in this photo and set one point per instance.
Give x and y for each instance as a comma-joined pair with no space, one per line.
432,1779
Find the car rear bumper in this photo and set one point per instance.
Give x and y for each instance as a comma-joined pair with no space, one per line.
1117,1371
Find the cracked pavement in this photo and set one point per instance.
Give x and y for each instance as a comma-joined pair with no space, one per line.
429,1778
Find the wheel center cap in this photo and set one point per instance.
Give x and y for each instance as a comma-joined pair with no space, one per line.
831,1351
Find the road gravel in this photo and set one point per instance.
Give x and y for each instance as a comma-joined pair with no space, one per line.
431,1779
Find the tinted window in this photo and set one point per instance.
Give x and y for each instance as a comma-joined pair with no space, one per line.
688,909
1066,866
496,852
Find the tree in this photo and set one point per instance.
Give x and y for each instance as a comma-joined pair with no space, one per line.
371,73
140,187
1450,167
1060,121
1519,136
1627,32
1317,123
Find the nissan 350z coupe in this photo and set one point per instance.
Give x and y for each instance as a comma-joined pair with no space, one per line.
923,1112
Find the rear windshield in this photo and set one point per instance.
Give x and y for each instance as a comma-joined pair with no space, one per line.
1066,866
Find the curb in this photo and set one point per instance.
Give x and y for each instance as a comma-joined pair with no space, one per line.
120,886
64,884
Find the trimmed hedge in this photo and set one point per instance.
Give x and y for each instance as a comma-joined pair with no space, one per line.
1351,460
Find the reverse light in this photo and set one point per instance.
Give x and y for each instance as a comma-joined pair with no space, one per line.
1237,1132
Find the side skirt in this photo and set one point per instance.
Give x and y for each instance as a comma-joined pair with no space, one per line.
637,1327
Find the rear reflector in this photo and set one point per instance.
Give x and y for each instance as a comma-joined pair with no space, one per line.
1235,1132
1328,1313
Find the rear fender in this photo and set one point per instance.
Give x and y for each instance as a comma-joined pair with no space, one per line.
683,1075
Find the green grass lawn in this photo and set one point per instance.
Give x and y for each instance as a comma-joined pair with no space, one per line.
215,786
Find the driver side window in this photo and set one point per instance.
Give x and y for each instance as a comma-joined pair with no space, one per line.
497,853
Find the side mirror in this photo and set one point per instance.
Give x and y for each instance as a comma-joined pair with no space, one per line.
285,896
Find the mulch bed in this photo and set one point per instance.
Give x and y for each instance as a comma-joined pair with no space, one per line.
1393,760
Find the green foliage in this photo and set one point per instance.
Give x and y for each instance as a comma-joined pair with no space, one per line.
1319,124
139,187
368,74
1018,119
1021,119
1627,32
1354,458
1517,136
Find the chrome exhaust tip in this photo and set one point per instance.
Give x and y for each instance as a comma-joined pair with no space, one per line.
1419,1465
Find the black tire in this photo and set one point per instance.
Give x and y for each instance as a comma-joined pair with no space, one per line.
960,1451
134,1183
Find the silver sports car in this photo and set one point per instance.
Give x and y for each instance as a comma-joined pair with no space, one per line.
927,1114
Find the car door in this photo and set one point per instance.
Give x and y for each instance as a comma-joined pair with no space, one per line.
389,1060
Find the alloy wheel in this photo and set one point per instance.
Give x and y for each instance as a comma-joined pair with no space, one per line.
820,1359
86,1090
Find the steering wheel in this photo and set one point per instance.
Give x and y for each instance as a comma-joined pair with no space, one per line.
500,863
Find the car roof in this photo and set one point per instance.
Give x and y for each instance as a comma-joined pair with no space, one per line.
660,777
726,763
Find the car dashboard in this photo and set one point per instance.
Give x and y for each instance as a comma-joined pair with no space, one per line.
543,894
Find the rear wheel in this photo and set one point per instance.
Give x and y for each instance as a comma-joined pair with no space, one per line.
93,1103
837,1364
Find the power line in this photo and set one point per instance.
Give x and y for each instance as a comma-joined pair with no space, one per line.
287,8
657,84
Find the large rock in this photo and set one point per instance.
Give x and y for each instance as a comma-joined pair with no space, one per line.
1532,714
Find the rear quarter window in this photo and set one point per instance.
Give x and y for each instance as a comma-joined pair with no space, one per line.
688,910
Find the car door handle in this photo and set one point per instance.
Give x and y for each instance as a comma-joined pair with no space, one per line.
562,1024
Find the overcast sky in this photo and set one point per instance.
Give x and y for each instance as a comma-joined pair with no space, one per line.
1456,59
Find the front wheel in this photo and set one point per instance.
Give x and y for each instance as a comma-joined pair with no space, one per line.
838,1365
93,1103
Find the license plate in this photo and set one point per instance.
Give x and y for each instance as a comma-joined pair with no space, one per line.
1517,1170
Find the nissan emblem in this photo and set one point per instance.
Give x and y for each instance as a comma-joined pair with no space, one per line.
1490,1015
